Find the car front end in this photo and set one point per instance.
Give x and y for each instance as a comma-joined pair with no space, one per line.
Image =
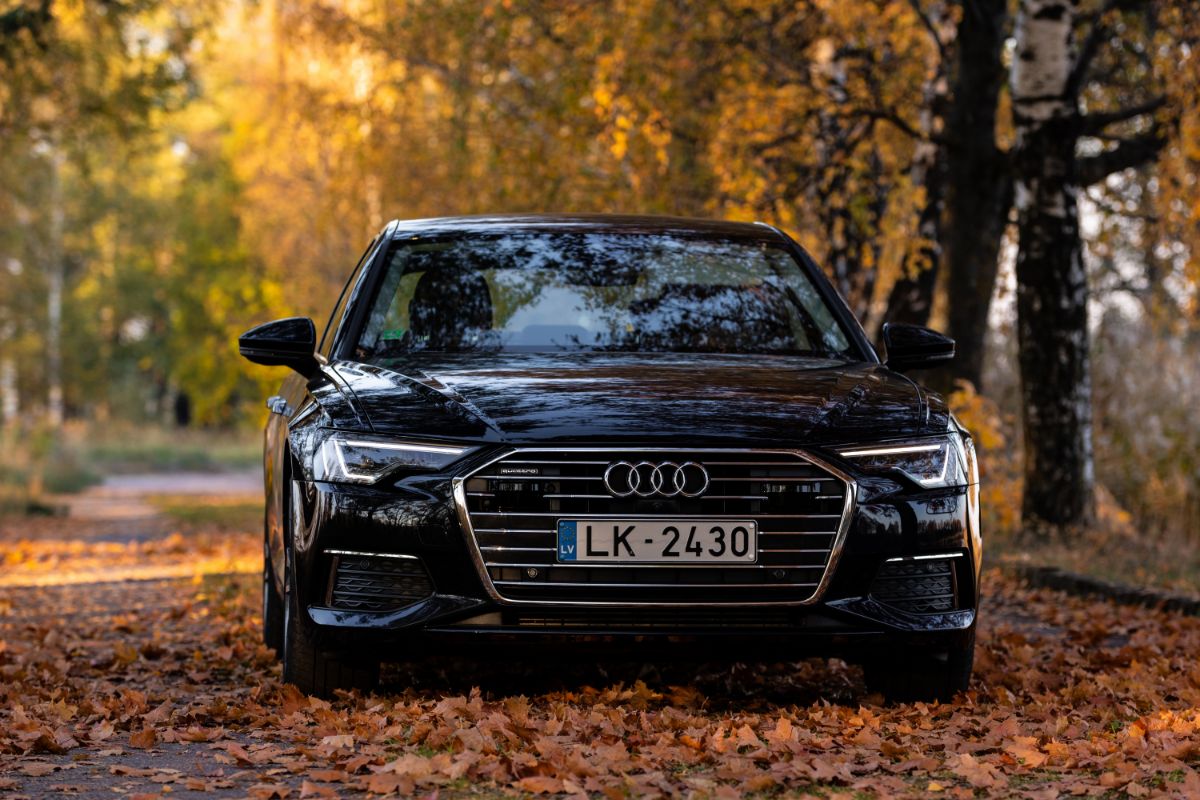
615,436
856,547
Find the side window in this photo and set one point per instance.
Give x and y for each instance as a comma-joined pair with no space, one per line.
339,310
389,319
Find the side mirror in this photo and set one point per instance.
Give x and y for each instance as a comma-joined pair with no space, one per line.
290,342
913,347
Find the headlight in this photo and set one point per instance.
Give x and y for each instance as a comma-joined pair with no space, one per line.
354,458
932,463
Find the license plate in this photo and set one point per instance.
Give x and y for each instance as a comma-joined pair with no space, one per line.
657,541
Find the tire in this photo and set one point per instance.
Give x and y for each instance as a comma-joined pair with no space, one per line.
272,606
305,665
922,677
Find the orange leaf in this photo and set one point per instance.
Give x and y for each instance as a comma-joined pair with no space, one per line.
540,784
977,773
389,783
310,789
144,738
37,769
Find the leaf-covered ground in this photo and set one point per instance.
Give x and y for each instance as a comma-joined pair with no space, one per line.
162,687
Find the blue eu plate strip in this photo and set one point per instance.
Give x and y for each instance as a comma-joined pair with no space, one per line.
567,549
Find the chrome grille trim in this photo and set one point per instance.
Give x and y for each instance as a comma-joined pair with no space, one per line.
660,565
370,555
643,516
827,566
569,585
556,514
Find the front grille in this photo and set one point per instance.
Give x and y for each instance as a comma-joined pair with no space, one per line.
513,506
920,587
377,583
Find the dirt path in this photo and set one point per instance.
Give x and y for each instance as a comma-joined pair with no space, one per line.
113,578
119,509
117,532
159,686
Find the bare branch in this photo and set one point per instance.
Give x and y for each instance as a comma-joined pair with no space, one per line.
786,137
1108,207
1091,45
1096,122
898,122
927,21
1128,153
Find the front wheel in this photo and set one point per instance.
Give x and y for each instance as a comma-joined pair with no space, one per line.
305,665
921,676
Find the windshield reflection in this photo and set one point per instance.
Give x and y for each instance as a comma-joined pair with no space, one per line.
603,292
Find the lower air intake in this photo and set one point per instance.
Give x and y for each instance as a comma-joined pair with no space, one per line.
674,620
377,583
919,587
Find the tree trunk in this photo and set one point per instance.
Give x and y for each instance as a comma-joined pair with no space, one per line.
911,298
978,188
55,277
1052,291
10,398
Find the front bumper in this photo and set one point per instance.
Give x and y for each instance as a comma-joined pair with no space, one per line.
418,517
437,627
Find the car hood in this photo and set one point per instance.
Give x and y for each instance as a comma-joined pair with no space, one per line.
700,399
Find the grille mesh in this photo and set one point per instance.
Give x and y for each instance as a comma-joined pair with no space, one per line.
514,505
920,587
373,583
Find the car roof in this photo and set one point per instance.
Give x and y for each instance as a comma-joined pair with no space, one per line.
609,223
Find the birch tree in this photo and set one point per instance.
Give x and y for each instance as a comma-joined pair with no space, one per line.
1049,72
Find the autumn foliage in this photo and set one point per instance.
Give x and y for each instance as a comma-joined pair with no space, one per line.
174,172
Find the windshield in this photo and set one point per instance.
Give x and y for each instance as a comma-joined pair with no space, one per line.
570,292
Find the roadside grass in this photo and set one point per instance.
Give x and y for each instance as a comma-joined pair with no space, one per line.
1114,549
155,449
1172,564
16,501
226,514
40,465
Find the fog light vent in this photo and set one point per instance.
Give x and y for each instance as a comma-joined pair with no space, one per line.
919,587
367,582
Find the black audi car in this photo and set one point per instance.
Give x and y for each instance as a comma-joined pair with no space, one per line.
558,436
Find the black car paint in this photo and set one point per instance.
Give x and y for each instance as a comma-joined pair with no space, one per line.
504,400
585,397
289,342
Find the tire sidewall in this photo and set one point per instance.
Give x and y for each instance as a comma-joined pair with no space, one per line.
273,610
297,651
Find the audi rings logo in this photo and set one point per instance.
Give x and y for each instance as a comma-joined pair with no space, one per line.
645,479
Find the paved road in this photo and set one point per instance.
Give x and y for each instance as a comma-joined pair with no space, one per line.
202,483
121,505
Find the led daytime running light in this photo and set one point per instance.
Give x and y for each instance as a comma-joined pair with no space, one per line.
918,461
341,445
892,451
411,448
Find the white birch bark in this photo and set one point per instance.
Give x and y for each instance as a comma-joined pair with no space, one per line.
55,278
1052,291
